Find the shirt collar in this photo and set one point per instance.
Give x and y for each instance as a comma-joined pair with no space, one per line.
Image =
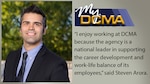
33,51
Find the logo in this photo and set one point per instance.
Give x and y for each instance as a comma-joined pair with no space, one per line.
89,16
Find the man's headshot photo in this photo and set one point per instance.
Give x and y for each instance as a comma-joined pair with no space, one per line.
36,41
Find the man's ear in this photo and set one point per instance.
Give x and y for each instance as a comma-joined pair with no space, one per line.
20,31
44,30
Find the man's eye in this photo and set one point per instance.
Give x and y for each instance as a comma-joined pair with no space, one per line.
38,24
25,23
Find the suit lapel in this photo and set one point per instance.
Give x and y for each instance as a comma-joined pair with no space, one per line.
36,63
16,62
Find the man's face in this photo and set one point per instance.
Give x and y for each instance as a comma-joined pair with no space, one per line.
32,28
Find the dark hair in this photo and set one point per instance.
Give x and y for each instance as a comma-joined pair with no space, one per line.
34,9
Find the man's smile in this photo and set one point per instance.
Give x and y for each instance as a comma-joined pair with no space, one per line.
31,33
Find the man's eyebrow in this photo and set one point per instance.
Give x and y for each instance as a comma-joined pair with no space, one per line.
25,22
33,22
38,22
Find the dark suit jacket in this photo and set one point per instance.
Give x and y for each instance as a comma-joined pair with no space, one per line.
46,67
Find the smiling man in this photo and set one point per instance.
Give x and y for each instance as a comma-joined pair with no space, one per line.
34,62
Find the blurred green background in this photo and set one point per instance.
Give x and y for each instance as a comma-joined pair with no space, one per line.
58,37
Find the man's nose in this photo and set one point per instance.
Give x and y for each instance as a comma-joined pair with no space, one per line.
31,26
